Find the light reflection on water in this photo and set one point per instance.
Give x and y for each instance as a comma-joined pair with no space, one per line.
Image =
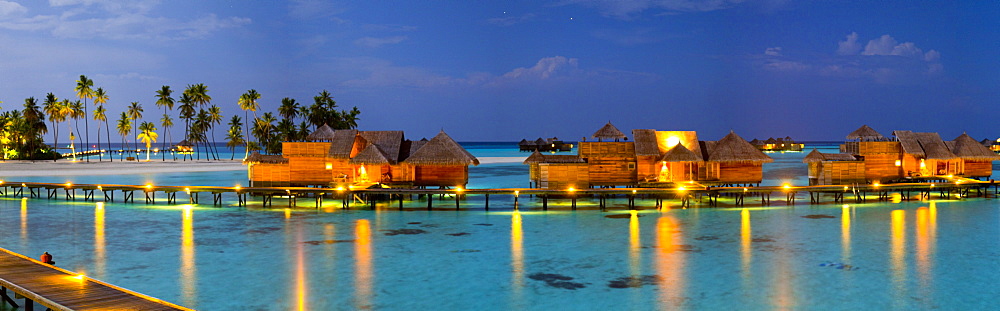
755,258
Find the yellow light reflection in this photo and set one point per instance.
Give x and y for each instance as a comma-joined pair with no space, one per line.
363,277
923,246
670,262
897,254
746,237
300,270
634,244
516,256
188,268
24,219
845,233
99,252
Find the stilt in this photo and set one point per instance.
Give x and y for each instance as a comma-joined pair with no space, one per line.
487,201
11,302
430,200
150,197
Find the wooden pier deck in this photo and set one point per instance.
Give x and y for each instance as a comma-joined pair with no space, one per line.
58,289
686,193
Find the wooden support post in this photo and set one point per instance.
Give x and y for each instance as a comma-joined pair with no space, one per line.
344,203
33,194
150,197
487,201
545,202
430,201
70,194
129,196
19,191
108,195
51,193
319,200
11,302
573,204
457,197
88,194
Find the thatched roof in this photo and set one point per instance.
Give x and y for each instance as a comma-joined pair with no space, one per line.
609,131
645,142
525,142
540,142
733,148
967,148
865,133
342,143
816,156
538,157
771,140
372,154
679,153
184,142
986,142
756,142
687,138
924,145
323,133
441,150
387,141
256,157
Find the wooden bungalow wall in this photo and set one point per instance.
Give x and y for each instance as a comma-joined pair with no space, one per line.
880,159
842,172
564,175
268,174
611,163
647,167
977,169
308,171
441,175
740,172
305,149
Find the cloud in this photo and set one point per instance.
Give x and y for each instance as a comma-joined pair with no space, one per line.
371,42
510,20
627,8
120,20
775,51
849,46
556,69
8,8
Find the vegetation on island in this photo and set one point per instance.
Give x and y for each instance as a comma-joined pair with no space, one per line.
22,131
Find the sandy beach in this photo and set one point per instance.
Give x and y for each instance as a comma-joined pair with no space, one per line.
13,169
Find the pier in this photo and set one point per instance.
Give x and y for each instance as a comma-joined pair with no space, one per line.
54,288
686,194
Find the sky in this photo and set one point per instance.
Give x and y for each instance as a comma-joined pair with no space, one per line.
507,70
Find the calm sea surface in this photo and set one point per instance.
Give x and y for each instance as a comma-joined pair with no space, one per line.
938,254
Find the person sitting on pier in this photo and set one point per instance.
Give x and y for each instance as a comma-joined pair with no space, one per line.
47,258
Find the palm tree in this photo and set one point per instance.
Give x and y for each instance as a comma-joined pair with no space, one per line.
84,91
248,102
124,126
66,111
288,109
263,129
147,136
101,98
187,113
53,108
76,112
234,137
214,117
100,116
164,100
34,127
135,113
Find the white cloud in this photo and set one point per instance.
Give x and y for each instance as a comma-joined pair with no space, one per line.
556,69
886,45
119,20
510,20
8,8
626,8
932,56
546,68
372,42
849,46
775,51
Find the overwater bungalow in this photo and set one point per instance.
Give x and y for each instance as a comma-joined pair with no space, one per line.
544,145
777,145
351,157
870,157
653,159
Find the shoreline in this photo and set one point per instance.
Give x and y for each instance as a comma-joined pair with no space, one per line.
25,168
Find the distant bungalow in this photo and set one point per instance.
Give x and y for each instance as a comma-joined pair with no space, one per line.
777,145
653,159
869,157
544,145
351,157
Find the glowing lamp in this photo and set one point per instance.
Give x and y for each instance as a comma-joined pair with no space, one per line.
571,189
149,186
238,187
458,189
341,188
745,189
786,186
516,192
329,166
681,188
80,277
633,191
899,163
846,206
932,185
875,184
68,184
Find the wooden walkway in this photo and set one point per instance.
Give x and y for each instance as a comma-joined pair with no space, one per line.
686,193
58,289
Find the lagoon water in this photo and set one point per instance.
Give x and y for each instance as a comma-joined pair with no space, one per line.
878,255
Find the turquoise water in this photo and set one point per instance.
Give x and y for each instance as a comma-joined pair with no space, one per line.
938,254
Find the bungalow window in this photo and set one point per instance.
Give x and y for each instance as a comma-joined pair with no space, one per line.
631,166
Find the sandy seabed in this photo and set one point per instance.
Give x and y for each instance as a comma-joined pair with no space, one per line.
94,167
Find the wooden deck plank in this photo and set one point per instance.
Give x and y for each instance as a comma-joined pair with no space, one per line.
58,289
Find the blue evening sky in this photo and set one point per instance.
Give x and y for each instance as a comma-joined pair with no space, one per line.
506,70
